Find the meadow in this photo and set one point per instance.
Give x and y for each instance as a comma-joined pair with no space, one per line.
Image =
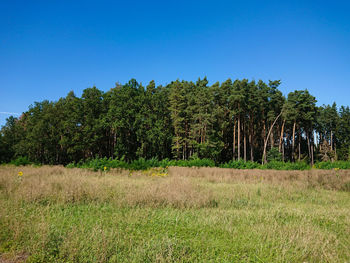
173,214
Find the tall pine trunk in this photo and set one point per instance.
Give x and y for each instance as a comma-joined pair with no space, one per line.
272,140
293,141
299,145
239,139
251,136
331,140
281,137
234,140
308,144
244,142
283,152
312,148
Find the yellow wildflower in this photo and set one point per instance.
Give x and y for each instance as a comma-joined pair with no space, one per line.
336,169
20,173
105,168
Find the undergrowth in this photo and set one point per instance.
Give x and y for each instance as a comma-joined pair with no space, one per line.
143,164
105,163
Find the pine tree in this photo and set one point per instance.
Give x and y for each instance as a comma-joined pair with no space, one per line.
177,101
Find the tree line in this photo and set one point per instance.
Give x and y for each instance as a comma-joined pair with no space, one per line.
233,120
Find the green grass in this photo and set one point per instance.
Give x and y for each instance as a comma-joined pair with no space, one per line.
245,220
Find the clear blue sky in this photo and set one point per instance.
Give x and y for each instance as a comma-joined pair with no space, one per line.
48,48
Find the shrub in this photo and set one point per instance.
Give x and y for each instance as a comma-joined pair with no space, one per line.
22,160
274,155
195,163
276,165
71,165
143,164
241,165
331,165
139,164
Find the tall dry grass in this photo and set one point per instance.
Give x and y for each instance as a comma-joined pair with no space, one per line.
326,179
58,184
183,188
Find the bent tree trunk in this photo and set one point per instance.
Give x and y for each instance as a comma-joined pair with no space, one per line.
281,137
264,160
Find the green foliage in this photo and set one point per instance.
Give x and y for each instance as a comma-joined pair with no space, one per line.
195,163
274,155
99,164
142,164
139,164
3,150
276,165
241,165
342,134
22,160
332,165
71,165
183,120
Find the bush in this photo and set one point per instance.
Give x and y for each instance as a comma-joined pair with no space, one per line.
99,164
139,164
276,165
274,155
143,164
21,161
71,165
195,163
241,165
331,165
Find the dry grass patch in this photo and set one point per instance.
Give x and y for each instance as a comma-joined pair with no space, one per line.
326,179
61,185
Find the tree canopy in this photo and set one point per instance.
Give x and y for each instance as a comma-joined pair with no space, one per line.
234,120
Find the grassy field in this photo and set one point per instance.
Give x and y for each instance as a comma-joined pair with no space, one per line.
55,214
